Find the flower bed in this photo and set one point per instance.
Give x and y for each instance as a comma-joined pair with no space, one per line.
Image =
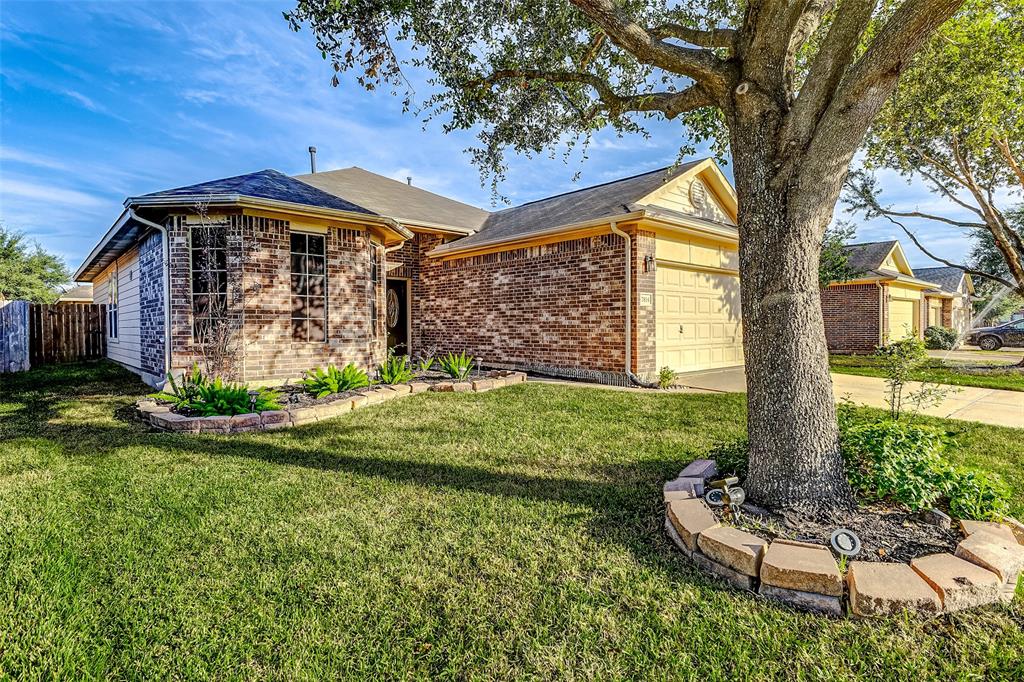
309,410
983,568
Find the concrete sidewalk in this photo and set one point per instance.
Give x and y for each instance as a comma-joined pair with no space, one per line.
989,406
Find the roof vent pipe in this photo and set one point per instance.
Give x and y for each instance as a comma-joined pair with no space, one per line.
408,180
312,159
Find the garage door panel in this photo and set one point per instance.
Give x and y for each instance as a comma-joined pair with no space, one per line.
901,319
704,330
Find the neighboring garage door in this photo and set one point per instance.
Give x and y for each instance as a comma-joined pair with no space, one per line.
698,316
901,319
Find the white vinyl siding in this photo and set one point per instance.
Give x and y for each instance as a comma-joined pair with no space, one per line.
125,348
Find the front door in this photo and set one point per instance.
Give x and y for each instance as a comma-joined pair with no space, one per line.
397,316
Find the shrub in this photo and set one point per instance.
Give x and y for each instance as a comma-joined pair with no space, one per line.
458,366
321,382
395,370
732,457
940,338
227,399
666,377
185,390
898,361
977,495
896,461
423,365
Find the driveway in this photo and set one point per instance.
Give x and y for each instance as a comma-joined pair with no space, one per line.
1002,408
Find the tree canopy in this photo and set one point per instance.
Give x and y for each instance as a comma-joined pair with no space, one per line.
956,122
27,272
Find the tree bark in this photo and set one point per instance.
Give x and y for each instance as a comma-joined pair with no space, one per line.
792,429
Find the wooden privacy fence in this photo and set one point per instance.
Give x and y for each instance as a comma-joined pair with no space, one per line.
14,336
67,332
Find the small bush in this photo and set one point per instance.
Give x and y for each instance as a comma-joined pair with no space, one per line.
896,461
666,377
977,495
185,390
321,382
225,399
458,366
940,338
732,457
395,370
423,365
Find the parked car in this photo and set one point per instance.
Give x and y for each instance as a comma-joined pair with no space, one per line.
993,338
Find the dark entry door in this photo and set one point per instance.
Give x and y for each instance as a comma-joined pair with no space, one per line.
397,316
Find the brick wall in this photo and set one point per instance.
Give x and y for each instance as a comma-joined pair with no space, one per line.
851,313
151,305
555,308
259,298
645,356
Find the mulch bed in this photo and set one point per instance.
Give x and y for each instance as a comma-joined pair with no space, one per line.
886,533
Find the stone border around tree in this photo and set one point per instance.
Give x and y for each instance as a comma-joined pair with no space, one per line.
983,570
159,415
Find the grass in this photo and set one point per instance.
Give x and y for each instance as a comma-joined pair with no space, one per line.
983,373
516,533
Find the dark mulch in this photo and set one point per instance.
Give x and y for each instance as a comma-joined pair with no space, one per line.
886,533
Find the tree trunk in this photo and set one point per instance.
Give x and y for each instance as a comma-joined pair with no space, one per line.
791,415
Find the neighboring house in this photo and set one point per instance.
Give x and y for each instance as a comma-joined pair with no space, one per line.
885,302
949,305
81,293
340,266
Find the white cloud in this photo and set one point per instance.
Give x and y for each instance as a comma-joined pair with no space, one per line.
31,190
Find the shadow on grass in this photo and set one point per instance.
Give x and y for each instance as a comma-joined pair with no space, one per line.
623,500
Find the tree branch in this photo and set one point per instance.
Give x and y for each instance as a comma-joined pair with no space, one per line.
669,103
929,216
716,37
1004,148
702,65
826,71
963,268
949,194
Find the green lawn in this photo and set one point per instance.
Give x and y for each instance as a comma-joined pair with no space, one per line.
513,534
996,374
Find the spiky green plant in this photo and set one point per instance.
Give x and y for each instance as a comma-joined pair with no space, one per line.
185,390
395,370
227,399
323,382
458,366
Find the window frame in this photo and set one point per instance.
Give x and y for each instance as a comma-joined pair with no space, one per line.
306,276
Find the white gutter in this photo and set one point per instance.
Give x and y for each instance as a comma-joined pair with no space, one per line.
166,248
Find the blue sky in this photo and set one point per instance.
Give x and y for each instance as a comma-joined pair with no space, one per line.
103,100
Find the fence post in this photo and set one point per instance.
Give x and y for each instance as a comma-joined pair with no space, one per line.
14,330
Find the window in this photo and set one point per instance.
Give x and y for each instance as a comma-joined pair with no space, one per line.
209,279
309,287
112,303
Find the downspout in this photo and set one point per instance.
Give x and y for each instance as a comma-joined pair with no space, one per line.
881,313
166,248
629,307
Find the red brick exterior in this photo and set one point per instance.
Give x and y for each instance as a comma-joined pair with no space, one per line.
555,308
259,295
852,313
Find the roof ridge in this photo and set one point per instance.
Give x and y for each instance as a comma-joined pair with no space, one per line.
397,182
602,184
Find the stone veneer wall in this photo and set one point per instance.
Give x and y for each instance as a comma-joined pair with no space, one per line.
259,294
851,313
555,308
151,305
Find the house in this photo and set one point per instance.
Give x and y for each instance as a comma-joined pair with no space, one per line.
950,304
601,283
885,301
81,293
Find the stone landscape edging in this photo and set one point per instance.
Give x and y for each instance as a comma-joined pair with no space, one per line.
983,570
160,416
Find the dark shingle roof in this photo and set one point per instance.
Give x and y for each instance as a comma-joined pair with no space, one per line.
590,203
946,277
264,184
395,199
869,255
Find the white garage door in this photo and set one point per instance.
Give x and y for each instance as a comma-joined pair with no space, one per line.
698,316
902,314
